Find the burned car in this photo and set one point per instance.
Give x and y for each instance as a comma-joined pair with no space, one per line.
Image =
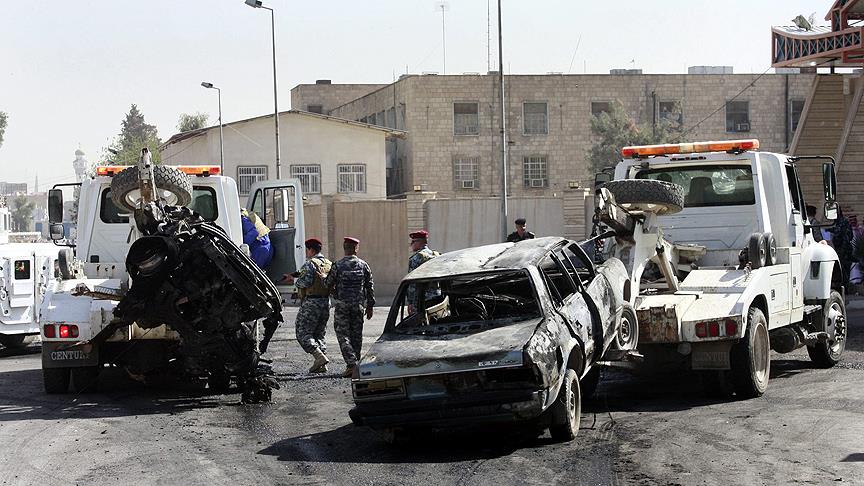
501,333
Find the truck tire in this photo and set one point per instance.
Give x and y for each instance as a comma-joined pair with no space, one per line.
647,195
64,262
55,380
13,341
751,358
826,354
84,379
567,409
770,249
757,250
173,185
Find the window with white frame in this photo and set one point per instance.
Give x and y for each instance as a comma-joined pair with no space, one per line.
466,172
351,178
310,177
248,175
466,118
535,171
535,118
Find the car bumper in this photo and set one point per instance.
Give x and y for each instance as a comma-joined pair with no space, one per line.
509,406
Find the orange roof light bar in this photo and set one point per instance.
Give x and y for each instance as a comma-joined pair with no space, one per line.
690,148
192,170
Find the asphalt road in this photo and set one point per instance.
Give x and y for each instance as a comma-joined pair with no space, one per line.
808,428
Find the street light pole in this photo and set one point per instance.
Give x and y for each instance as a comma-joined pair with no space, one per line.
504,216
257,4
221,147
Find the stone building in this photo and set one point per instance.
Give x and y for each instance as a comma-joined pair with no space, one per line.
453,147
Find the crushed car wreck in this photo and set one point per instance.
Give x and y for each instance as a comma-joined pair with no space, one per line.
515,331
192,301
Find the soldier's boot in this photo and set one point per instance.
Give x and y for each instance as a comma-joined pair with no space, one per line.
320,363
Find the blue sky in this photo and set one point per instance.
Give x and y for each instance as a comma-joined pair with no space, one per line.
69,70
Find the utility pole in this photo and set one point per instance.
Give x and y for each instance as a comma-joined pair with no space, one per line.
504,213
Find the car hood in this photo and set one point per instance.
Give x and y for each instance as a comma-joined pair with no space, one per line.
399,355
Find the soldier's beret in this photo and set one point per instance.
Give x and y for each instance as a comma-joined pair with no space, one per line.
520,221
313,242
420,235
351,239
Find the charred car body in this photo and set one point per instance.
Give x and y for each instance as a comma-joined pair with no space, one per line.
502,333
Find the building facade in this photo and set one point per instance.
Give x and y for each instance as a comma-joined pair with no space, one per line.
328,155
454,142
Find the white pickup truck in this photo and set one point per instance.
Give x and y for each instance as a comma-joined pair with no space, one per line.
724,265
70,320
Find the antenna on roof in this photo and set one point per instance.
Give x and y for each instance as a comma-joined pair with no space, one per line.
442,6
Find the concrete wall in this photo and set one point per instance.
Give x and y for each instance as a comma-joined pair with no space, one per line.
329,96
427,101
461,223
304,140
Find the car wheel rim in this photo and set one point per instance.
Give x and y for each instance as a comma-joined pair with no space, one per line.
572,405
835,326
760,354
625,333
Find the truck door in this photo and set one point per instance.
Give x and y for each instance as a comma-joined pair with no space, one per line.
18,291
280,205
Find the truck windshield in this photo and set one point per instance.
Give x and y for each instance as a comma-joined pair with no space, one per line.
713,185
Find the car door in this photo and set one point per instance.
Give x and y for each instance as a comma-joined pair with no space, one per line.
596,292
280,205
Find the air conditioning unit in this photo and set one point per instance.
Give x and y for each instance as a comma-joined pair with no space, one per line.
468,184
742,127
538,183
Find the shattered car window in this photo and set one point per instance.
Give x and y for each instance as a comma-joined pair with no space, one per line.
560,286
470,303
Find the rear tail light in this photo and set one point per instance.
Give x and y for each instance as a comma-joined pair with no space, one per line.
701,329
48,331
68,331
731,327
714,329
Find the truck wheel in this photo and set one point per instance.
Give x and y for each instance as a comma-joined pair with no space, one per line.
757,251
647,195
55,380
174,187
84,379
567,409
751,359
826,354
770,249
588,383
13,341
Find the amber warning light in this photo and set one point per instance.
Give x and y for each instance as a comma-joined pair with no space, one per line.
690,148
192,170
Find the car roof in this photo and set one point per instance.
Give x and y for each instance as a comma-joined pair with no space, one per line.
500,256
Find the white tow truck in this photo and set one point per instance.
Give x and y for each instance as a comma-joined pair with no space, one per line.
70,318
723,264
27,273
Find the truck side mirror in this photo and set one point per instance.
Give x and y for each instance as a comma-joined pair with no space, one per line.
830,211
56,231
55,206
829,182
602,177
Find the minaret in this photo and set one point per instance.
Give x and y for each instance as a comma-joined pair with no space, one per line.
36,184
81,165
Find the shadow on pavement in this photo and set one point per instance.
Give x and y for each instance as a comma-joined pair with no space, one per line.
116,396
856,457
353,444
25,351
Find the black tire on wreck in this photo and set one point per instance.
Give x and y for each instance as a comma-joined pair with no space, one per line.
647,195
167,179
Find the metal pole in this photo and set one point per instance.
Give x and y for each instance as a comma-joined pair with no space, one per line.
221,147
504,215
275,94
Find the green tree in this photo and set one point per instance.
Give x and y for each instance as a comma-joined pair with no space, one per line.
22,213
3,119
615,130
189,122
135,133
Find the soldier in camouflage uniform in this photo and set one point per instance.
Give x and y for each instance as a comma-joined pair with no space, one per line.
422,254
353,293
311,324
